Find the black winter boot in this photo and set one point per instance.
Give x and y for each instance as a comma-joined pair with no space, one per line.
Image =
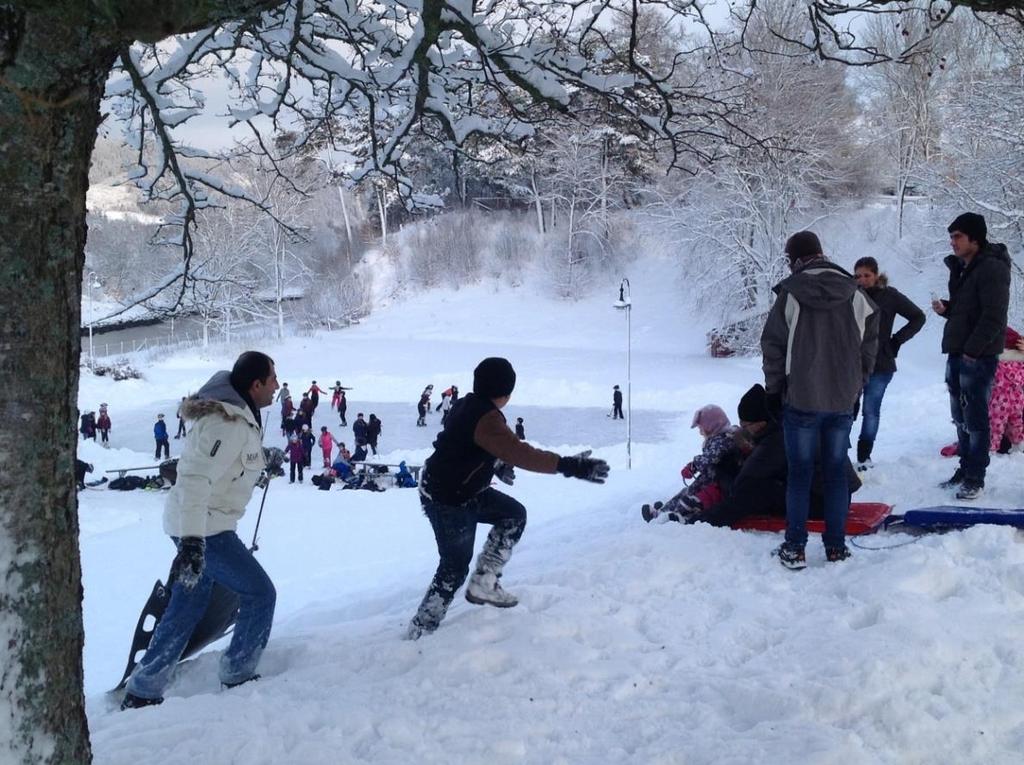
864,450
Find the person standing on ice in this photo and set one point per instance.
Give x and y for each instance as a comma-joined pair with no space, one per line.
973,338
160,434
819,344
103,425
327,443
520,429
220,466
891,303
342,408
283,393
181,422
424,406
617,403
314,396
455,491
373,428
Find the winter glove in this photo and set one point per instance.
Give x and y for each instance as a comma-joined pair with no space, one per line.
504,472
687,471
895,345
773,403
584,467
189,562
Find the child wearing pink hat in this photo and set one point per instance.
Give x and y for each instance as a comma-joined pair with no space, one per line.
719,443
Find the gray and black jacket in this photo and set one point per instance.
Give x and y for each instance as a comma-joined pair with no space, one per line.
820,339
892,303
979,295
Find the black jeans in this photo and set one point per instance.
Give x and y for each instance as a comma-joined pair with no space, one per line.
970,388
165,444
455,531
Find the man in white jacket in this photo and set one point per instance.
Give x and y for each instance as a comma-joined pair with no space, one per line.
221,463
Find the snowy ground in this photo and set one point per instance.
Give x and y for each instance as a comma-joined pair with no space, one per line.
631,643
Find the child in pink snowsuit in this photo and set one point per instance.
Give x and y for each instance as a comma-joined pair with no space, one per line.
1006,407
719,443
326,445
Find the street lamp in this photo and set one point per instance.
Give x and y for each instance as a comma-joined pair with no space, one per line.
625,303
90,282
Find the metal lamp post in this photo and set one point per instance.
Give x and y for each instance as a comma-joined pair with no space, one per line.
625,303
89,279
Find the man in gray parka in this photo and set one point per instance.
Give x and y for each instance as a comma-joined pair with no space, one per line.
819,346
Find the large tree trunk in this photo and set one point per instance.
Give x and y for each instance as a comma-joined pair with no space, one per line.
49,111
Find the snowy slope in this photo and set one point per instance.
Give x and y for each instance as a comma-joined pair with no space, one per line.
632,643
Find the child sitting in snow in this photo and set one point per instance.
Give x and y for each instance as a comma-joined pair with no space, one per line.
719,443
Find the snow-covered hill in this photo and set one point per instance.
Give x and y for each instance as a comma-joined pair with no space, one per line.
632,643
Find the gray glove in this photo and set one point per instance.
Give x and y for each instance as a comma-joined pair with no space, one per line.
584,467
189,562
504,472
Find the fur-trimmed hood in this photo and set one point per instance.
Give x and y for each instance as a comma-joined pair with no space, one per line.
212,397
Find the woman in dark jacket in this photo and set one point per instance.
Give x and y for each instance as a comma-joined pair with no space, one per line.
891,302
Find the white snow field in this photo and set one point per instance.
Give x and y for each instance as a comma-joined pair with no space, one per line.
632,643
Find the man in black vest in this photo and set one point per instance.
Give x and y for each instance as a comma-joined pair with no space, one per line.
455,490
973,338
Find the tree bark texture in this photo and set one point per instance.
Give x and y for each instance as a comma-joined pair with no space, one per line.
54,61
52,72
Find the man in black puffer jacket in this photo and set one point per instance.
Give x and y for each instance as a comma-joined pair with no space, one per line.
975,313
455,490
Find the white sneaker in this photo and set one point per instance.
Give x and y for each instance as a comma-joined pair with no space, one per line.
486,590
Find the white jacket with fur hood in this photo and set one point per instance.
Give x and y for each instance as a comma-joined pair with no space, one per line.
222,461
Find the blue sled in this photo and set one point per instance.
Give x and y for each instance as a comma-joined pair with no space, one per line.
957,517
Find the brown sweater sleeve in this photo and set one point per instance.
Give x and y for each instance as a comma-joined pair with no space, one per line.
493,436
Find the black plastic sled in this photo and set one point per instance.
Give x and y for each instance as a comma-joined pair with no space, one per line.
221,612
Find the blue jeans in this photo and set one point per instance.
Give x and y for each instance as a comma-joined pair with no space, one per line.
871,408
970,388
808,436
455,531
230,563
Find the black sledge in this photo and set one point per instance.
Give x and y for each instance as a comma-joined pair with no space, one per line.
217,621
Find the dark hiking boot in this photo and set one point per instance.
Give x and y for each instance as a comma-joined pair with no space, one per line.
836,554
792,558
484,589
970,489
131,701
649,513
864,450
955,480
249,679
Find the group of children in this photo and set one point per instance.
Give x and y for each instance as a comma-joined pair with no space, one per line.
91,424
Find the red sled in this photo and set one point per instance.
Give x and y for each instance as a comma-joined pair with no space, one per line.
864,518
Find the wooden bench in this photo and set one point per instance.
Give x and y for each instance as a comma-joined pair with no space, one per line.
121,472
369,468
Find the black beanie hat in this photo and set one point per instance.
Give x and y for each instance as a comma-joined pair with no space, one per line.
803,245
494,377
971,224
753,407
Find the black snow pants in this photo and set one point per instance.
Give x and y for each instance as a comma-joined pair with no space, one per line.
455,530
